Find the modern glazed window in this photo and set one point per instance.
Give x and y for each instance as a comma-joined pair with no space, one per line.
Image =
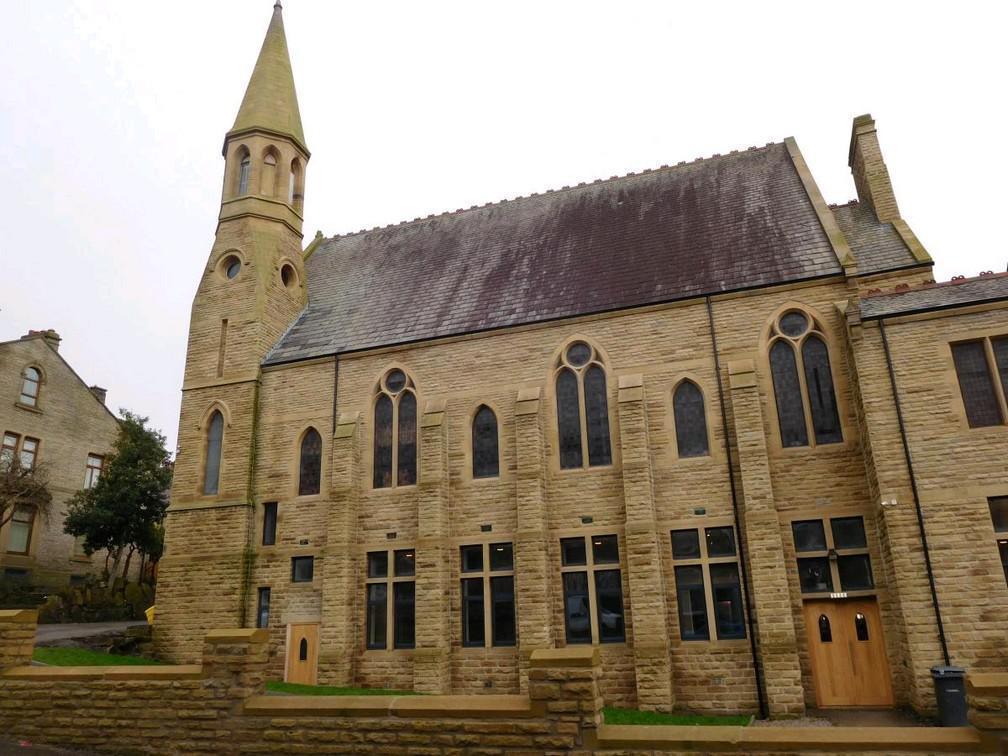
982,369
592,580
708,588
999,516
390,599
832,555
582,408
487,595
803,382
395,431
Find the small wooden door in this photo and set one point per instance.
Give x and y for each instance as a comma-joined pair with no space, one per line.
848,654
302,654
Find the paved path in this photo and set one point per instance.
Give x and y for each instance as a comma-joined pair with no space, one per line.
70,630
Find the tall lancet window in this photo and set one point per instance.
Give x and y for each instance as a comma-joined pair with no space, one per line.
582,408
244,167
395,431
485,452
310,469
214,442
267,186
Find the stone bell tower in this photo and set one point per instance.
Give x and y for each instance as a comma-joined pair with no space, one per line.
252,288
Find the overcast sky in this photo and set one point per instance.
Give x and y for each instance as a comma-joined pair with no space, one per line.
113,112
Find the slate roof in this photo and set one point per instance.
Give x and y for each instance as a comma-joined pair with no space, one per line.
988,288
876,246
725,223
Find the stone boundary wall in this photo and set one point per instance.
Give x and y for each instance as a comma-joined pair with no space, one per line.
220,707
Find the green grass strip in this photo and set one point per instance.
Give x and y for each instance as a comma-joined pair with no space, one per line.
635,717
82,657
275,686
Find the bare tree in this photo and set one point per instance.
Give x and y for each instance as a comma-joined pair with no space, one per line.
23,487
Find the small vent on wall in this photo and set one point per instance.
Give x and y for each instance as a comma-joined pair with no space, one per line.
304,541
700,511
586,520
390,536
486,528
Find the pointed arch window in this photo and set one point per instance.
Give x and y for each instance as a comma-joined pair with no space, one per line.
803,382
582,408
485,451
690,420
215,440
244,168
395,432
267,185
294,191
31,379
310,468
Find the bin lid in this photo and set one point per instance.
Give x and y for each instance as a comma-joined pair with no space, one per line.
948,671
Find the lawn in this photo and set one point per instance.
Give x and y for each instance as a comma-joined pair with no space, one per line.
615,716
82,657
275,686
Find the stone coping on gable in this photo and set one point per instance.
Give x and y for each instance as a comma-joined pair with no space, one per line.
411,707
135,672
238,635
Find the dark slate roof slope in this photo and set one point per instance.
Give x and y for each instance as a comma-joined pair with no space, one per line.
725,223
988,288
876,246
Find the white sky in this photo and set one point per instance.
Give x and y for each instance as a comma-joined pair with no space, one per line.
113,112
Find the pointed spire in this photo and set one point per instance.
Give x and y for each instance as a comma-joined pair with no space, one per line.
270,100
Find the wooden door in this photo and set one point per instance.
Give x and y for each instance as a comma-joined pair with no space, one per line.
848,655
302,654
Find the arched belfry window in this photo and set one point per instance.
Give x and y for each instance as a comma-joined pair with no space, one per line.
803,382
244,168
310,468
295,192
214,442
582,408
267,185
690,420
485,445
31,379
395,431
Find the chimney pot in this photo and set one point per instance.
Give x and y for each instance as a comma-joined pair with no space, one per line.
48,335
99,393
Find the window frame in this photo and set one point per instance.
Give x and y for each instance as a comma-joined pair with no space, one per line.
677,454
35,398
31,529
269,524
36,446
486,574
310,558
561,364
206,428
1000,536
93,472
261,606
832,554
590,568
998,380
389,580
409,387
472,442
305,434
9,452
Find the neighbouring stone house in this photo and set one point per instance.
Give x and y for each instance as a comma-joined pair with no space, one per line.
49,416
734,436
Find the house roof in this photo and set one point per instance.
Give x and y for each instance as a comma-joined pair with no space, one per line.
877,247
990,287
725,223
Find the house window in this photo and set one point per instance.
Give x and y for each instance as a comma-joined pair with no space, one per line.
31,378
262,608
93,470
705,563
29,452
582,408
690,420
999,515
591,579
310,472
21,524
269,523
8,453
302,569
215,439
803,382
488,573
976,364
485,451
397,586
395,433
832,553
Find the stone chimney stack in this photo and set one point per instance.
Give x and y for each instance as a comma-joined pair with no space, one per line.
48,335
99,393
871,177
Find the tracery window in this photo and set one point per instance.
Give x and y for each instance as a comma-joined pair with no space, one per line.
978,365
215,439
485,445
690,420
30,380
803,382
310,469
395,431
582,408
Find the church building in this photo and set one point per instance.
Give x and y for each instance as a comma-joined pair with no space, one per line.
736,438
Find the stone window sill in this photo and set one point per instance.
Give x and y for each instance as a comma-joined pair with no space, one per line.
28,408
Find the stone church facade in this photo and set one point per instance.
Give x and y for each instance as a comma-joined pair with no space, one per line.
737,438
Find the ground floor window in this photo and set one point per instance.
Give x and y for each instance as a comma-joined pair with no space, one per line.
395,586
487,595
262,608
999,514
21,524
302,569
832,555
708,588
593,589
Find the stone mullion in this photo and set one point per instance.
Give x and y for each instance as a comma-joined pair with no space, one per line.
340,616
775,629
643,560
431,659
533,580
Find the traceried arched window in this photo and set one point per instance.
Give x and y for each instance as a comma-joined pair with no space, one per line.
803,382
582,408
310,468
485,451
215,439
395,431
690,420
31,378
244,168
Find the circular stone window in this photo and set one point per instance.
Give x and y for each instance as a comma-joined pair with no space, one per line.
395,381
793,324
288,275
578,354
231,266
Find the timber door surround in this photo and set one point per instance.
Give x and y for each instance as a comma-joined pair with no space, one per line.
848,654
302,654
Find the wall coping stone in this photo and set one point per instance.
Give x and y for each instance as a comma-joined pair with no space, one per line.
411,707
19,616
238,635
991,684
570,656
135,672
